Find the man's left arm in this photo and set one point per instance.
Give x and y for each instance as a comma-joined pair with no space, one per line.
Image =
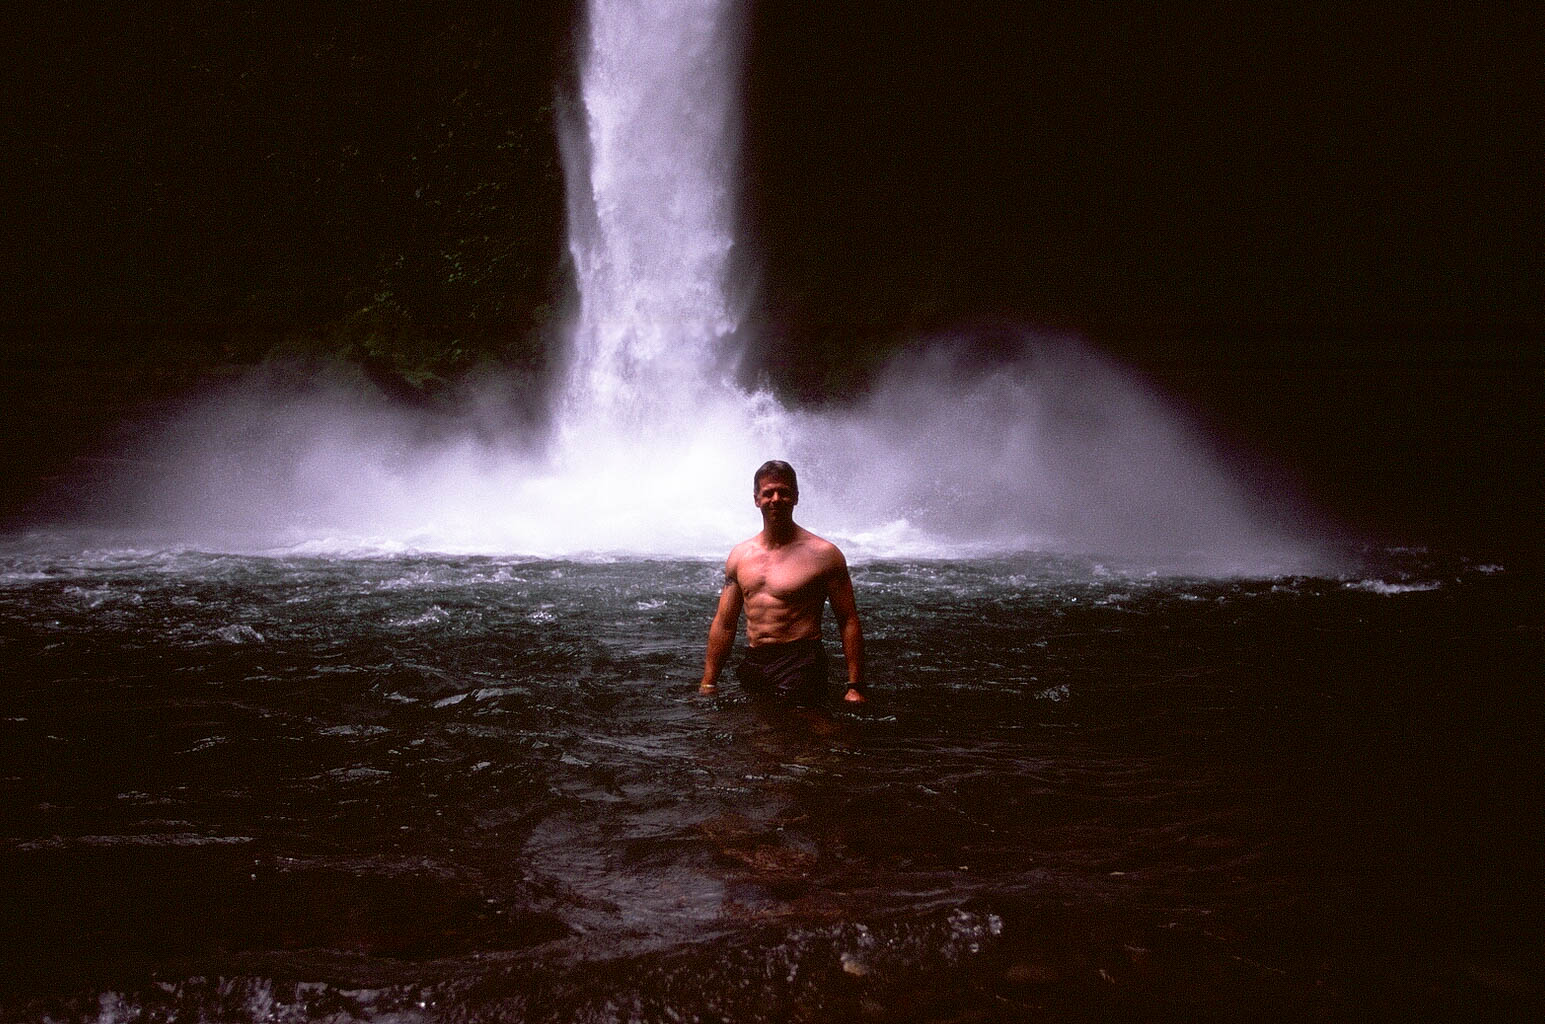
840,592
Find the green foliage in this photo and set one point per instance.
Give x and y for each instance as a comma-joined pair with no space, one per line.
378,181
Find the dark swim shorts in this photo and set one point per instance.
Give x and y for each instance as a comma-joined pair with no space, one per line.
795,671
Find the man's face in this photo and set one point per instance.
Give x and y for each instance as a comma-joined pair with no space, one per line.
776,497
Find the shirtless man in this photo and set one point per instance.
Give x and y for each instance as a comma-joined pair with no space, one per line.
781,579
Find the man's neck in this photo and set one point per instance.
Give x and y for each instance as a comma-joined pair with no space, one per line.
779,535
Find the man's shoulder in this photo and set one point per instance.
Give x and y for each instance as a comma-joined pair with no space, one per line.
744,547
738,552
822,548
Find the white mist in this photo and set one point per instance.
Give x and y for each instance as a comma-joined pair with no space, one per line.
652,446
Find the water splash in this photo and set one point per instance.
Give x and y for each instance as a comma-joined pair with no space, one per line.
652,444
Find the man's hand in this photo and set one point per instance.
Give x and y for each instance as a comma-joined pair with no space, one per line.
707,689
853,696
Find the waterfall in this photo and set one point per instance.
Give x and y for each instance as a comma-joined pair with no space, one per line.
651,210
651,163
653,444
1060,449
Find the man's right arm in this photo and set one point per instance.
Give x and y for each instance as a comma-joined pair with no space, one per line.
721,634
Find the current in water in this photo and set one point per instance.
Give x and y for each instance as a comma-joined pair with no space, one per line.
450,788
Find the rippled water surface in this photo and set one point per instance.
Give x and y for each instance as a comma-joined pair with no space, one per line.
270,788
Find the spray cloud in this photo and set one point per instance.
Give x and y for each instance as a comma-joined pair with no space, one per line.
652,444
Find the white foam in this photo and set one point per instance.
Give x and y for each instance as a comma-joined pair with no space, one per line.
239,633
432,616
157,839
1387,588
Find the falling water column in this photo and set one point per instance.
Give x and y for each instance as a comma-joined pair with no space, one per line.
651,212
653,444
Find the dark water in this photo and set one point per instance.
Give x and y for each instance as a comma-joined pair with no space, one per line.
420,788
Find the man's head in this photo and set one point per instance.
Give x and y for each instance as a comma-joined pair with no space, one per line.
775,469
776,492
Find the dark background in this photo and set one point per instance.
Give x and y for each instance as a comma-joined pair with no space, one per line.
1318,226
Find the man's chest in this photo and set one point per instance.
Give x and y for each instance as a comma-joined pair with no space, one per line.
788,579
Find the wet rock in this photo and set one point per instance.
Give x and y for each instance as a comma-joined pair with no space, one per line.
1031,972
1501,980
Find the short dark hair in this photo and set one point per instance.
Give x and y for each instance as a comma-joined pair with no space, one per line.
775,468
